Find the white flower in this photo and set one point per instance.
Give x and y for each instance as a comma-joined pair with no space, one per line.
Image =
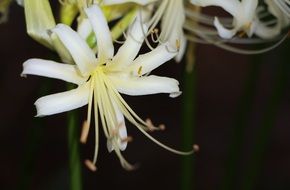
243,13
101,80
172,16
273,27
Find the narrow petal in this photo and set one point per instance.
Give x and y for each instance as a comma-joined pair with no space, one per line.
147,62
136,86
78,48
102,31
122,131
52,69
62,102
122,128
129,50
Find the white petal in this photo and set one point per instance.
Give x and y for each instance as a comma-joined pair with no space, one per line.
147,62
182,48
61,102
84,28
102,31
223,32
112,2
52,69
122,131
129,50
122,128
231,6
78,48
136,86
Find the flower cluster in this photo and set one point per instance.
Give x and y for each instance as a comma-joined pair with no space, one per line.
89,61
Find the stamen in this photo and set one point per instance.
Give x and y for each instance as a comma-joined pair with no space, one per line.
127,139
91,166
196,148
151,127
85,132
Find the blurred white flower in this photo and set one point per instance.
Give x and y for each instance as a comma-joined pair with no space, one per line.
243,13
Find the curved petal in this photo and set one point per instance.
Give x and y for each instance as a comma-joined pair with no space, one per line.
62,102
147,62
78,48
52,69
136,86
223,32
129,50
102,31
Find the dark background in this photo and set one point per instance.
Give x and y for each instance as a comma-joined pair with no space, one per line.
235,93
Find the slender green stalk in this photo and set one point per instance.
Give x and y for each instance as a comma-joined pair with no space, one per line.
269,118
188,119
74,150
35,134
240,124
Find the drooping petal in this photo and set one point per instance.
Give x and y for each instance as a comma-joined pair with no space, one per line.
129,50
147,62
62,102
102,31
136,86
122,128
224,32
52,69
122,131
78,48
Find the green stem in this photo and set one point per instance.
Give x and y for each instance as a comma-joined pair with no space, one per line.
74,150
188,119
35,135
241,122
267,125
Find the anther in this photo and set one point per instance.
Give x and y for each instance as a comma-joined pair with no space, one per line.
127,139
161,127
85,132
177,44
91,166
151,127
196,148
140,71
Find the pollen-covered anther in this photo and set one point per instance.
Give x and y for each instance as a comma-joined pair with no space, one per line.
91,166
196,148
85,132
127,139
162,127
139,71
177,44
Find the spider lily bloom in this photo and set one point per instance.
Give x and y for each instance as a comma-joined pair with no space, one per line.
243,13
101,80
